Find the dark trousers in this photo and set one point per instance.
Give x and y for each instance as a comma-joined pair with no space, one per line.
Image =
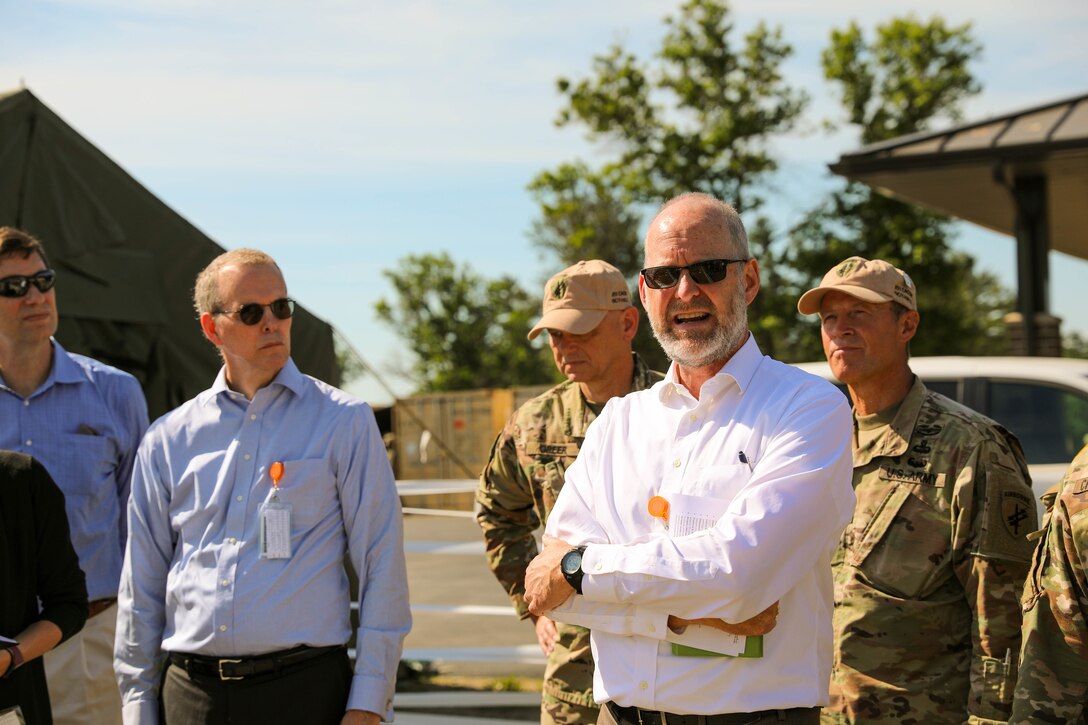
314,691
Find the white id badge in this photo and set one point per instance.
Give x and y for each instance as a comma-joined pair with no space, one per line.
275,521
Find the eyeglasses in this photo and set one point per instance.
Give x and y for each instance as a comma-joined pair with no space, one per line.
17,285
705,272
252,313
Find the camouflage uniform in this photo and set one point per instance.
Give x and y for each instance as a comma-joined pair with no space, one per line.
517,491
929,572
1053,682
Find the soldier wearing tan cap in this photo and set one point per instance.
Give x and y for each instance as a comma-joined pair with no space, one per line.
929,571
590,323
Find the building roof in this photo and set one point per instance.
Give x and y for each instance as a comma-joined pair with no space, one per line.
967,171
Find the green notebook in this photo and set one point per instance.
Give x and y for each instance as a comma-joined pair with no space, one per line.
753,647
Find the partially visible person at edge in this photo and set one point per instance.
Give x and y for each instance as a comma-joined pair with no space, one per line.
37,564
760,446
244,502
590,323
82,420
1052,686
929,572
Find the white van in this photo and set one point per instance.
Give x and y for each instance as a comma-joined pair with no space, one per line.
1043,400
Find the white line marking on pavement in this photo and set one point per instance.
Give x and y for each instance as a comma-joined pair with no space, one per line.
460,548
465,609
526,654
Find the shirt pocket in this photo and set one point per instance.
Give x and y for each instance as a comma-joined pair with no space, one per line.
88,462
722,481
903,549
309,486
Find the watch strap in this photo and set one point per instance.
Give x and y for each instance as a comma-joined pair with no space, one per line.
17,659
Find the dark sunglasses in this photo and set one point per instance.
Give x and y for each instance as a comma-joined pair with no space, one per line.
252,313
706,272
17,285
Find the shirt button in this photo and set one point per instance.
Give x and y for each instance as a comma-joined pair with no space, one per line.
232,540
598,567
653,628
29,442
253,416
246,457
226,582
676,463
223,628
643,685
239,498
26,403
693,417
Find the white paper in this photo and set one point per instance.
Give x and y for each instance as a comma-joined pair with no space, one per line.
691,514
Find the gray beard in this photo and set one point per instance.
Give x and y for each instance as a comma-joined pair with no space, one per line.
696,351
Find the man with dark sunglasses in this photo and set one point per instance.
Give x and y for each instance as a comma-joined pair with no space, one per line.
704,500
590,323
83,420
244,501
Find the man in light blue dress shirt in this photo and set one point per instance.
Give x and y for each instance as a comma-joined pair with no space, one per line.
244,501
83,420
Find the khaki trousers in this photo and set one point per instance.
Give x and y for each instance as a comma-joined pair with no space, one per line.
82,686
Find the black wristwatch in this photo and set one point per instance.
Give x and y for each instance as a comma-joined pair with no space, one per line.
571,566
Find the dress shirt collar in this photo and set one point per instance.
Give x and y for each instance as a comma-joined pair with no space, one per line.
738,370
62,370
288,377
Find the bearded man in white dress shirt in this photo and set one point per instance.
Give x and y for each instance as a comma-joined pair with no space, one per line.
761,447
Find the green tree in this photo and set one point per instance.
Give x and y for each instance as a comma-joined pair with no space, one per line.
911,75
464,330
697,120
583,215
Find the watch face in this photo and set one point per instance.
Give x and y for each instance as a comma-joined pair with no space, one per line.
571,563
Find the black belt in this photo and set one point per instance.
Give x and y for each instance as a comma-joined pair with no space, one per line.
638,716
239,668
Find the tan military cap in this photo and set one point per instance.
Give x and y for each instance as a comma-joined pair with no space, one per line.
578,298
870,280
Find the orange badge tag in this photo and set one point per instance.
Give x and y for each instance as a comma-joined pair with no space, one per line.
659,508
276,472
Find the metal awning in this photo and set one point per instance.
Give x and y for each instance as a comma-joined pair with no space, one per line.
1023,173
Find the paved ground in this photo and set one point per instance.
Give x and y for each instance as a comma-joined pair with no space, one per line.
463,624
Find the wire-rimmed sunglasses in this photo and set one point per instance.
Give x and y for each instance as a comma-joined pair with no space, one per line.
252,313
17,285
706,272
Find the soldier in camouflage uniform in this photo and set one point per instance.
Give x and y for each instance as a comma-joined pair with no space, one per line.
929,571
591,323
1053,682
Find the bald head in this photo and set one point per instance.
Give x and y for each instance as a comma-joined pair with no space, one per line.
695,214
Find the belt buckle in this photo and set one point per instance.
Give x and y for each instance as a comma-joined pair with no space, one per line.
223,677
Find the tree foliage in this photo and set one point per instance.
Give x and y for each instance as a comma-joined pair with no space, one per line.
465,331
698,119
910,75
584,216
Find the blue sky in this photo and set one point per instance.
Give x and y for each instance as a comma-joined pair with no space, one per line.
342,135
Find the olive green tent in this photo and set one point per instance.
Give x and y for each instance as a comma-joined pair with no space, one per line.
125,261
